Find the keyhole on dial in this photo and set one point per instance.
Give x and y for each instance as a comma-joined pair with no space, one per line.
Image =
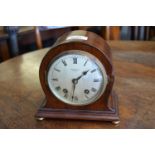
65,91
86,91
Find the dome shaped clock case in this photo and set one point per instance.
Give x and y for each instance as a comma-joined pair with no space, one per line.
77,78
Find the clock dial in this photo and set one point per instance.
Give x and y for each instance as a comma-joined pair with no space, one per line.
76,78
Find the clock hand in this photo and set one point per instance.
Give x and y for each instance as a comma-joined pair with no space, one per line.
75,81
73,91
83,74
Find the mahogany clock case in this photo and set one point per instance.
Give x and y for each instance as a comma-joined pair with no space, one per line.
106,107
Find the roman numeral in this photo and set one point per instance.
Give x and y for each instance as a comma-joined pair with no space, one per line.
66,95
86,96
85,62
55,79
58,88
93,70
93,90
74,60
64,62
56,69
96,80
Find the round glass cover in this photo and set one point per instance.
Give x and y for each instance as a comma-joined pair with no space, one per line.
76,77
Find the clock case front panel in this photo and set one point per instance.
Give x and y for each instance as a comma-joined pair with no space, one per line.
105,108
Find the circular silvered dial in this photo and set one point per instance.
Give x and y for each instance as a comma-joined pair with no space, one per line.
76,78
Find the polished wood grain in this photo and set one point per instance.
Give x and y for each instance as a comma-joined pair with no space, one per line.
21,93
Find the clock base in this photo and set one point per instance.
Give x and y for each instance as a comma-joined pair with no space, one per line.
104,115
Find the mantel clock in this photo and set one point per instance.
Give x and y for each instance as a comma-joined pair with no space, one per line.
77,77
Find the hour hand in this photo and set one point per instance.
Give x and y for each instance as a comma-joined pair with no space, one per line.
83,73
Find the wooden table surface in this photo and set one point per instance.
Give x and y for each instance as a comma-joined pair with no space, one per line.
134,62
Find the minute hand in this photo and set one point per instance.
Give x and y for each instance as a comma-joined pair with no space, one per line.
83,73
